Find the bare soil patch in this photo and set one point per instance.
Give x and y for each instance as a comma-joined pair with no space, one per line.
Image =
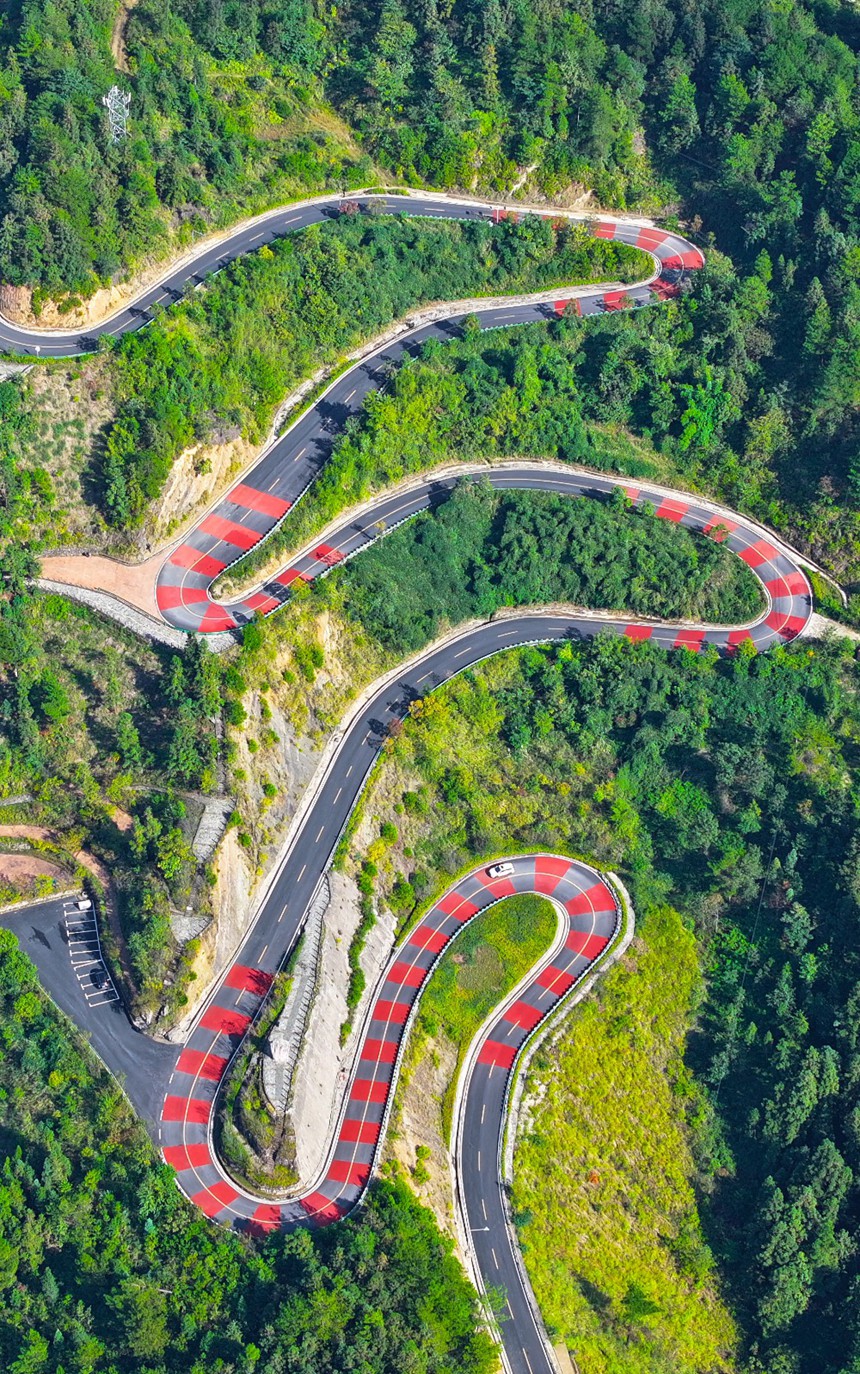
20,869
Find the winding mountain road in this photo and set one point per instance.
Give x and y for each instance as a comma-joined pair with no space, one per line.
176,1091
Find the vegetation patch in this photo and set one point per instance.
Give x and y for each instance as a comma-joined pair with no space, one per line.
489,957
221,361
482,550
722,788
603,1142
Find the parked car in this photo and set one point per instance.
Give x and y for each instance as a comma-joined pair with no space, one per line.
84,904
500,870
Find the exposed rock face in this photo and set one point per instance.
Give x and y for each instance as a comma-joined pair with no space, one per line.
321,1070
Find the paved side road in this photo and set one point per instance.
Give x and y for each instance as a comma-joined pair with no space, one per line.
64,945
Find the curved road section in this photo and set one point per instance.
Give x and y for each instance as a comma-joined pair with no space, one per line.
177,1093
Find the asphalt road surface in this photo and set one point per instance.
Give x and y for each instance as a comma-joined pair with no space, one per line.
175,1090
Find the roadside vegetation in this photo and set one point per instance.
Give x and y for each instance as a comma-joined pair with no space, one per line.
226,118
220,362
104,1264
722,788
111,740
665,393
483,549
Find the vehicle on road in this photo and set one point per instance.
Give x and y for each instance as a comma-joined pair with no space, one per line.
503,870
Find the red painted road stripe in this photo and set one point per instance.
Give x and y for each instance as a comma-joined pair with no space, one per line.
326,554
786,625
251,979
168,598
367,1090
224,1020
589,946
561,306
738,637
186,557
210,1066
602,230
693,259
425,937
215,619
499,887
689,639
213,1200
262,603
395,1012
758,553
321,1209
494,1052
181,1157
632,493
344,1171
613,300
793,584
549,872
251,499
292,575
365,1132
381,1051
672,510
267,1217
229,531
719,528
637,632
595,898
192,1109
674,263
651,239
407,974
523,1015
452,904
556,979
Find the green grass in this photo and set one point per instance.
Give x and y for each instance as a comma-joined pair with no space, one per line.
602,1180
488,959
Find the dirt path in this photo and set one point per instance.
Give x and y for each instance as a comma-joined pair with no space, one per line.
117,42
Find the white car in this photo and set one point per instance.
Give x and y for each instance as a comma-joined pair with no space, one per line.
500,870
83,905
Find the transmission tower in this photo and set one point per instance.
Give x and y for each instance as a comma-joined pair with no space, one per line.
117,103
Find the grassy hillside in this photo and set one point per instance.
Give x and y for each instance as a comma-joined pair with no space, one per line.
604,1175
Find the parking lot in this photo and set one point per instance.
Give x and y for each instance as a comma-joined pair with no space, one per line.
85,952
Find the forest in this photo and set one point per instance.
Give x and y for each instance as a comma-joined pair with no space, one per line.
222,361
